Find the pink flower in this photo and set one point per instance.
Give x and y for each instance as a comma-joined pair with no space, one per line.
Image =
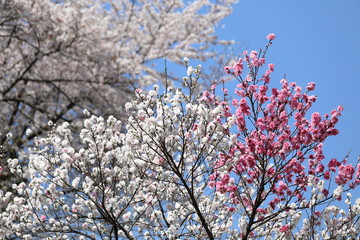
232,189
43,218
333,164
284,228
48,193
271,67
211,184
320,168
231,209
244,108
238,67
226,179
282,185
345,174
220,187
317,213
249,181
226,92
253,54
271,36
315,119
325,192
311,86
212,177
327,175
227,69
270,172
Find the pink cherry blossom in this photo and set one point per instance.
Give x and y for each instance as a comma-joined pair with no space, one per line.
346,173
285,228
271,36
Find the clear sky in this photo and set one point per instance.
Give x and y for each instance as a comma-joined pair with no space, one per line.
316,41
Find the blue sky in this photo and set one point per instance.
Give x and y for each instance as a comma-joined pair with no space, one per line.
316,41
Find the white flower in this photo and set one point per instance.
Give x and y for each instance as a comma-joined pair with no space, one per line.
86,112
337,192
190,70
128,105
28,132
126,216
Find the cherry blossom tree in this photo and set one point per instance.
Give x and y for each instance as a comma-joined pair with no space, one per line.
191,166
59,57
275,171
